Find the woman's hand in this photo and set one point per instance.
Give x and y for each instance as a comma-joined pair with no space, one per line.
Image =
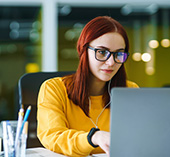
102,138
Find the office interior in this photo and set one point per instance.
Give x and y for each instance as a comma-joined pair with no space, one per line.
41,35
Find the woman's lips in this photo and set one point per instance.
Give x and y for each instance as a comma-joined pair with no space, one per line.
107,71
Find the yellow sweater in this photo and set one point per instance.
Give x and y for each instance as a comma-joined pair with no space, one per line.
62,126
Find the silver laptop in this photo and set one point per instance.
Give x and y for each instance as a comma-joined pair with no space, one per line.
140,122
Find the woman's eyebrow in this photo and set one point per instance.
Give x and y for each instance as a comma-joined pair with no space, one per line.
120,49
103,47
106,48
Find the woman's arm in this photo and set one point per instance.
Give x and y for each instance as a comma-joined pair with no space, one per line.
53,127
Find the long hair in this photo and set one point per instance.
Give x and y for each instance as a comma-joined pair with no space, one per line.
77,84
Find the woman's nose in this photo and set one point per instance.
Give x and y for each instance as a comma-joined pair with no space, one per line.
110,61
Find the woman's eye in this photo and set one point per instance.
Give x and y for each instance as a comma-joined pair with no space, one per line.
102,52
120,53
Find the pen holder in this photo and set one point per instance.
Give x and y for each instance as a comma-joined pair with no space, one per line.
0,144
14,147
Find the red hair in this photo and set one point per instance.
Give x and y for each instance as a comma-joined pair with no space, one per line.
77,84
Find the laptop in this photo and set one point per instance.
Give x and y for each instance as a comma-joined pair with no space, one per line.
140,122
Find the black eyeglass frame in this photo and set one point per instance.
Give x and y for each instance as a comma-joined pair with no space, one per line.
95,50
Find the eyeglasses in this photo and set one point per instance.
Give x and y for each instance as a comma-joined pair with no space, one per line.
103,55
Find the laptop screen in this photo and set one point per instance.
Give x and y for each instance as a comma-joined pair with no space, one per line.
140,122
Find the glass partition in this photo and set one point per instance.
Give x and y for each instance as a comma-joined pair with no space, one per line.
20,51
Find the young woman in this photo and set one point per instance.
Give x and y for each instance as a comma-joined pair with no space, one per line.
74,111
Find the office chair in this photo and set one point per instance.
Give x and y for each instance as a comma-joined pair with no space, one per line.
28,88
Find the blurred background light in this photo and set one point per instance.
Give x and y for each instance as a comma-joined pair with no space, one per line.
165,43
153,44
150,70
146,57
139,9
31,67
136,56
65,10
34,35
36,25
14,34
14,25
70,35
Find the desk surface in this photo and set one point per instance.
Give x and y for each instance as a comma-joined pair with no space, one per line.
42,152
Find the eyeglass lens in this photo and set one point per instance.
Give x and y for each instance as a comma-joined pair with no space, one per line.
120,57
103,55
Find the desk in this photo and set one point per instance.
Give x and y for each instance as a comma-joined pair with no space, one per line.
38,152
42,152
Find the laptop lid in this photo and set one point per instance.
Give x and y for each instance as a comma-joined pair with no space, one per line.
140,122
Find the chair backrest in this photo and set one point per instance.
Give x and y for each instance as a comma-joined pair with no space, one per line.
28,88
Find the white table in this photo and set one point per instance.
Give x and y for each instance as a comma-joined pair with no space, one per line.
42,152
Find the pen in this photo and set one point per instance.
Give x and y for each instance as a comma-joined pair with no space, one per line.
25,118
10,135
11,138
20,119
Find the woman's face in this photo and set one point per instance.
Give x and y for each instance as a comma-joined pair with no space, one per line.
104,71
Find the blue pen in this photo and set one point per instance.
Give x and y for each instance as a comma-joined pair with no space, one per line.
25,118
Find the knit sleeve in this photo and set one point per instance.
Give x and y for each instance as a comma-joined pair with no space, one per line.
53,128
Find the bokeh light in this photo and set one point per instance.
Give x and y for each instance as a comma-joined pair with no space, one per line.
136,56
150,70
165,42
153,44
31,68
146,57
